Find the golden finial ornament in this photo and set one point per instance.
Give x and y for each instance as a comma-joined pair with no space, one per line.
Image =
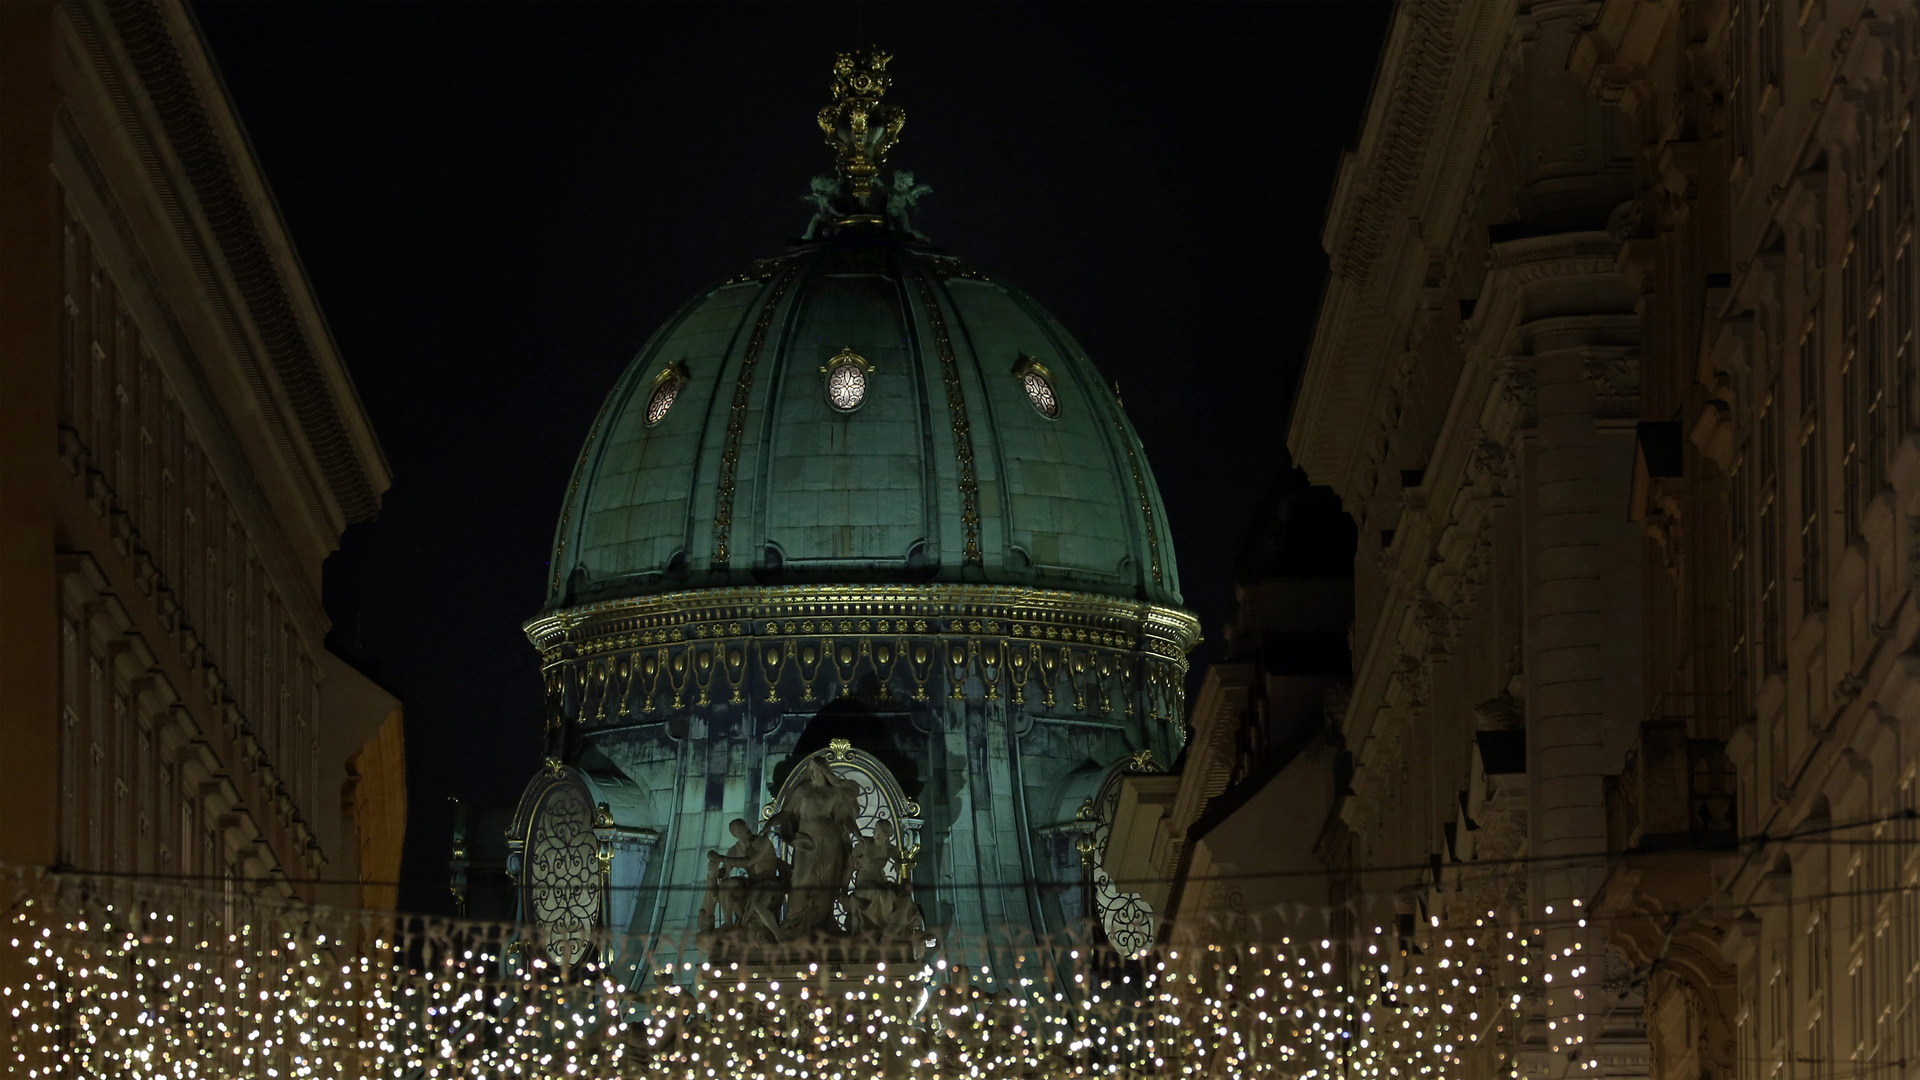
859,127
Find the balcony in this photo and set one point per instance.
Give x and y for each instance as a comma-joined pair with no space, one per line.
1675,792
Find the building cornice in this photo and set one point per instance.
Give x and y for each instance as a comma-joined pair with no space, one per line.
1434,101
182,116
867,610
646,659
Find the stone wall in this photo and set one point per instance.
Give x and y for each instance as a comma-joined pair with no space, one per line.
1616,373
183,450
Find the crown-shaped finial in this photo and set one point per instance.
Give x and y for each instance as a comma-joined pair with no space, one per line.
859,127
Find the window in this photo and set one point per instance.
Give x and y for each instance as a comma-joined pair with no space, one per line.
661,401
1741,93
1903,171
847,387
1878,407
1778,1014
1849,288
1884,943
1737,590
1906,988
1902,339
1899,285
1813,571
1037,383
1851,391
847,375
1040,392
1819,968
1875,234
1747,1023
1880,402
1769,53
1772,628
666,390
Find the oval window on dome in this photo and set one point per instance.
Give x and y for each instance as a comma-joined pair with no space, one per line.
1037,382
666,388
847,374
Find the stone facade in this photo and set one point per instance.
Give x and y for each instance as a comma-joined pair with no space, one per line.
1262,744
181,450
1616,374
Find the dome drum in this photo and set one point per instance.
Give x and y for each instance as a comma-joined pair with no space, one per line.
623,662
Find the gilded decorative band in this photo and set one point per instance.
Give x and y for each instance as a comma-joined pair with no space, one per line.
956,411
737,414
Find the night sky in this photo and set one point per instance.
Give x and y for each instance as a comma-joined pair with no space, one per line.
497,204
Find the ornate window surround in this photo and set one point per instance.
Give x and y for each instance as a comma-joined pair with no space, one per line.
664,390
850,374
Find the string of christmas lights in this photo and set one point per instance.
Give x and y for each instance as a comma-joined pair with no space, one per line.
139,978
167,982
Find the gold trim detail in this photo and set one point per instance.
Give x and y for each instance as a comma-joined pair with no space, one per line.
621,660
1140,486
1013,611
860,128
957,410
950,267
846,357
737,414
761,270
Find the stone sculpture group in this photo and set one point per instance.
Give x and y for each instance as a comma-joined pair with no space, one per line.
839,884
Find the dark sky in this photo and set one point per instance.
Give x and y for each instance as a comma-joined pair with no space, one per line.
497,204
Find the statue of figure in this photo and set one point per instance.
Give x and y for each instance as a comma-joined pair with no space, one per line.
901,199
751,903
880,907
823,194
825,808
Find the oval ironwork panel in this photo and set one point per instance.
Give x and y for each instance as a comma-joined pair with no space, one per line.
846,386
563,873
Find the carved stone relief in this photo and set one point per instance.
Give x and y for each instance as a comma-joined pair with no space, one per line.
832,861
1616,382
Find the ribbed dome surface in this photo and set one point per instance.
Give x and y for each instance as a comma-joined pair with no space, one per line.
946,470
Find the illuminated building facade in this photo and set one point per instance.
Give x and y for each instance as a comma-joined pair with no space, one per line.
181,448
1774,254
862,594
1616,375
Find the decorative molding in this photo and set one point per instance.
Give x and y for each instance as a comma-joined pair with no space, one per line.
1513,381
1616,382
956,411
737,414
1423,72
610,662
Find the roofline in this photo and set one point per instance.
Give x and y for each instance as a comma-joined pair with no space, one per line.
188,99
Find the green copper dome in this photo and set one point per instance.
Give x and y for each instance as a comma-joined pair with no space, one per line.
864,517
862,410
